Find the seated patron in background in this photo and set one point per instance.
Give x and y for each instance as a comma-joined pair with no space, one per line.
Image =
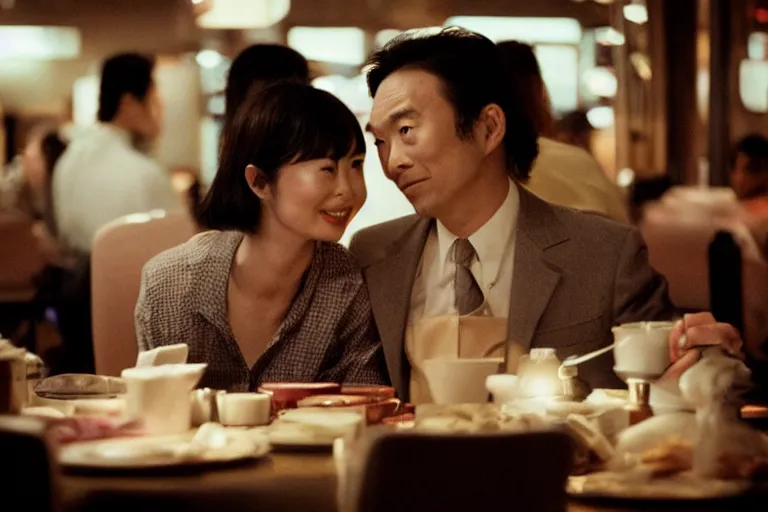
749,174
486,268
259,66
256,67
40,158
103,174
269,295
562,173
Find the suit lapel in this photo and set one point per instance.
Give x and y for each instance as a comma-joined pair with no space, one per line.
390,281
534,278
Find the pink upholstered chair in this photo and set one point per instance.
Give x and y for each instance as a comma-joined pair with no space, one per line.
120,250
678,239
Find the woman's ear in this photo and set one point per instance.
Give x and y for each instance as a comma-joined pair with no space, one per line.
257,182
493,126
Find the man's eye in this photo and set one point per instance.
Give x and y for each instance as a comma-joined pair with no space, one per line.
405,130
378,142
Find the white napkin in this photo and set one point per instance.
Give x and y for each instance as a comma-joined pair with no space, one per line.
169,354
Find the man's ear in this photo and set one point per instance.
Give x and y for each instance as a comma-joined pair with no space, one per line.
492,126
257,181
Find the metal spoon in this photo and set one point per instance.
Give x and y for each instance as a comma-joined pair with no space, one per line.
577,360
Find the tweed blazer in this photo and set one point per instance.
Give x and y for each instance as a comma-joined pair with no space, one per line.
575,276
327,335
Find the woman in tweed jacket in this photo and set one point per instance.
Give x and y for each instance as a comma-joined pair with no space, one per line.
268,295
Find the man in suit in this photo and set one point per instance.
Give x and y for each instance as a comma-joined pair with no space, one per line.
452,133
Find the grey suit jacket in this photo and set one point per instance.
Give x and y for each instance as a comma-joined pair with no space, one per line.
575,276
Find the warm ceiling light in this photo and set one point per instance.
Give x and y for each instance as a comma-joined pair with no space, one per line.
43,43
208,59
601,81
600,117
530,30
240,14
636,12
337,45
609,36
642,64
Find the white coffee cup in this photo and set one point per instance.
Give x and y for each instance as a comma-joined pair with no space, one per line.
243,409
641,349
159,396
459,381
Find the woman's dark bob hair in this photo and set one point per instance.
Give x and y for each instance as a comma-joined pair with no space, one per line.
282,124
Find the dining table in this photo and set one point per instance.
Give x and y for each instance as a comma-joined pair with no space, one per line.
286,482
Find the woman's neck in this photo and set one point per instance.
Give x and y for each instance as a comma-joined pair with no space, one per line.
270,265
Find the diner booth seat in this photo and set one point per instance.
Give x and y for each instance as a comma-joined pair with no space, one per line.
120,251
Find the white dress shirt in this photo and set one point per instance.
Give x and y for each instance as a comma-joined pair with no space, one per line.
433,293
101,177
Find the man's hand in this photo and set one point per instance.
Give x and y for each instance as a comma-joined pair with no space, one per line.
694,331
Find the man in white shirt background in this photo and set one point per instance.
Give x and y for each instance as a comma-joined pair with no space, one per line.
104,174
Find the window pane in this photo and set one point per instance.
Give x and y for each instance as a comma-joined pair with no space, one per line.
560,70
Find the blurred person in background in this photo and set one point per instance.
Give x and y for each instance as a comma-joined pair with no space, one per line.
40,158
104,174
575,129
255,67
21,181
258,66
749,173
563,174
267,295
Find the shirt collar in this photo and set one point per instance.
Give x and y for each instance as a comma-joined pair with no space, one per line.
491,240
118,133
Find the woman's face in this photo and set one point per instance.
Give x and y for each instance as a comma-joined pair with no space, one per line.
316,199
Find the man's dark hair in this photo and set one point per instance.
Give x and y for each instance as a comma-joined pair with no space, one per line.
260,65
281,124
126,73
473,75
521,62
755,148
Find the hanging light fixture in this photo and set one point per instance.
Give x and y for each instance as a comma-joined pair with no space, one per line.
240,14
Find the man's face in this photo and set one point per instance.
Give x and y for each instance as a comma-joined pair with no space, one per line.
145,116
418,143
746,184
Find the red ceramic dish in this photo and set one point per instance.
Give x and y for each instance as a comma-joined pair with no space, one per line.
376,409
374,391
285,395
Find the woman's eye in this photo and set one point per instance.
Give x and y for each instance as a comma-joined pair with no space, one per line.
357,164
328,168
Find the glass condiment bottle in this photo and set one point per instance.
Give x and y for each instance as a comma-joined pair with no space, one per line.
639,407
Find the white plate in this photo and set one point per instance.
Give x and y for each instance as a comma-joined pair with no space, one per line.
683,486
157,452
